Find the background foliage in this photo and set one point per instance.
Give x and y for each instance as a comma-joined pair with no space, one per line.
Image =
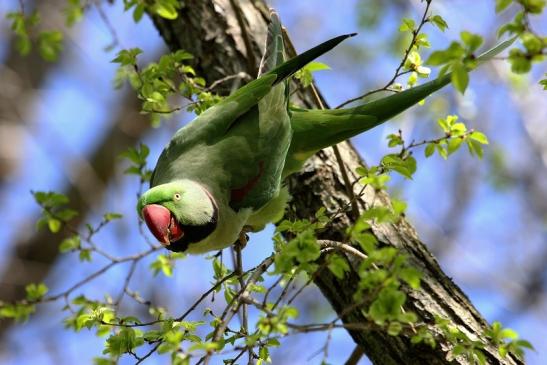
55,115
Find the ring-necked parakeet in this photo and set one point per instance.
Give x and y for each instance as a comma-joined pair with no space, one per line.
224,170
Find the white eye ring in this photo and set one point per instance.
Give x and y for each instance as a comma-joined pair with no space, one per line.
177,196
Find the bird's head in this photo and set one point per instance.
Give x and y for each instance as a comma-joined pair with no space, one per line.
179,213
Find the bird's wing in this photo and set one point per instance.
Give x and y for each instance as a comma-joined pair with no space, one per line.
272,133
246,136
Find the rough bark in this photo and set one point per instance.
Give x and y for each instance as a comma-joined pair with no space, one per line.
212,33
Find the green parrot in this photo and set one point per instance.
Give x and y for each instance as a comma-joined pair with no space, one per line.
222,174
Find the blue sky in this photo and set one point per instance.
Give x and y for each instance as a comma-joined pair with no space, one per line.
71,111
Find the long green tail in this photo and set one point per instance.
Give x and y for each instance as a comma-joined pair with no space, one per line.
317,129
294,64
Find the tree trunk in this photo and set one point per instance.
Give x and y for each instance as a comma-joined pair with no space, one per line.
212,32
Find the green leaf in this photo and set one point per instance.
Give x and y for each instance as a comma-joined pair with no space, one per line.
472,41
413,60
475,148
422,41
479,356
338,265
19,312
454,52
205,346
446,123
17,22
66,215
394,328
387,305
441,150
394,140
532,43
166,10
502,5
35,292
107,217
23,45
20,26
533,6
405,167
50,45
305,74
367,241
73,12
138,157
453,145
399,206
408,317
457,129
70,244
429,149
50,199
132,170
305,247
411,276
126,340
54,225
439,22
138,12
316,66
407,25
85,255
162,263
520,62
479,137
508,333
412,79
460,77
264,354
379,214
127,57
524,344
104,361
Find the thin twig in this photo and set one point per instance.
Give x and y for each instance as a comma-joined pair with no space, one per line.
115,40
284,292
343,247
236,302
149,353
239,75
398,71
355,356
126,283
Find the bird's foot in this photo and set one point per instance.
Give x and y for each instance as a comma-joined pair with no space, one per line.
243,238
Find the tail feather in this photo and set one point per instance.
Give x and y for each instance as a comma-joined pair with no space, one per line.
316,129
274,49
294,64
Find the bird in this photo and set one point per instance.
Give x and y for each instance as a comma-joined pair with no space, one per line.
222,174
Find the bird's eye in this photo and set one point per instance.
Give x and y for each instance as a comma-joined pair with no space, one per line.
177,196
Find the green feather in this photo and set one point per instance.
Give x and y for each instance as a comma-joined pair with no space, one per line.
294,64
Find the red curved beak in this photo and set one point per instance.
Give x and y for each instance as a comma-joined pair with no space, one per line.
162,223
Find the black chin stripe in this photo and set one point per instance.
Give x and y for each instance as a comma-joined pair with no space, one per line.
193,234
